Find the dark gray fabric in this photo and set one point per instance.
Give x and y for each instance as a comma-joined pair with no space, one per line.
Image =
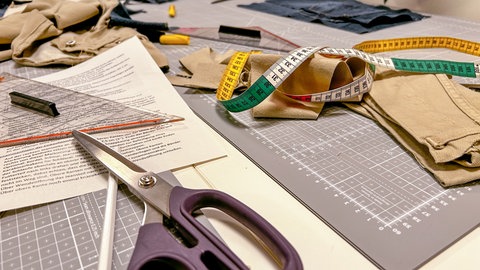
349,15
120,16
4,6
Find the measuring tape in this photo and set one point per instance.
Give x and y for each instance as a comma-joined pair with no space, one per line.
267,83
357,87
232,73
279,72
456,44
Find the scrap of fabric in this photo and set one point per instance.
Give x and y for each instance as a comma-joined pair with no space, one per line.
349,15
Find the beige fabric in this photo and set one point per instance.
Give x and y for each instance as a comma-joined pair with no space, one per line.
65,32
205,69
435,118
315,75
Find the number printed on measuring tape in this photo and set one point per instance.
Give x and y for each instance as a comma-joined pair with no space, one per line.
231,75
357,87
463,69
284,67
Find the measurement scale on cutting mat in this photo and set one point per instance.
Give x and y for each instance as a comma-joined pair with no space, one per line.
354,177
278,72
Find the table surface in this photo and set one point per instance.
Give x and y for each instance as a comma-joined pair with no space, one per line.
318,245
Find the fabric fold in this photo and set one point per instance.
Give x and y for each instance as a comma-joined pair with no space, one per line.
433,117
65,32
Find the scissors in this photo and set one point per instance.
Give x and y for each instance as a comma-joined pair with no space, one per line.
170,236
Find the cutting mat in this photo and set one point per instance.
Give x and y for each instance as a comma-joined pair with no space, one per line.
67,234
356,178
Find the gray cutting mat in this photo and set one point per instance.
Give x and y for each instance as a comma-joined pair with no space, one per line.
356,178
351,174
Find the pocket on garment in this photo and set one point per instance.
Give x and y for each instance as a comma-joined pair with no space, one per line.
422,105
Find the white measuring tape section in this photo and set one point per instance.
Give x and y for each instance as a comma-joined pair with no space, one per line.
284,67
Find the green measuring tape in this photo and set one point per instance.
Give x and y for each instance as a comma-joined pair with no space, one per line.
279,72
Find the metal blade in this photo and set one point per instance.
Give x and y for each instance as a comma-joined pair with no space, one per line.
113,161
148,186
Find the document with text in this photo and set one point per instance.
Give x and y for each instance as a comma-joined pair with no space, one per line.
47,171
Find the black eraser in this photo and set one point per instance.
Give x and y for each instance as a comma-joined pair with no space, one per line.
33,103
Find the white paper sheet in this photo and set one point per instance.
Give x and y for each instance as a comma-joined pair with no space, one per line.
58,169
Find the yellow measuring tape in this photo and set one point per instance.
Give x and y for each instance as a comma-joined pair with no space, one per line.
456,44
278,72
232,73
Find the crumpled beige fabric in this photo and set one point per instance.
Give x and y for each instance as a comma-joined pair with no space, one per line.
435,118
205,69
65,32
316,74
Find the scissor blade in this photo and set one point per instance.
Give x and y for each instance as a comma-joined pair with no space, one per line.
129,173
113,161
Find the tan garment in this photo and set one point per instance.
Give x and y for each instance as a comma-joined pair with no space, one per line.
65,32
435,118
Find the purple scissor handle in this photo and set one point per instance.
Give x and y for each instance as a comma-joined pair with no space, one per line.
205,251
171,237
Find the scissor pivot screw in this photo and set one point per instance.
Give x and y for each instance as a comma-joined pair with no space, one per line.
147,181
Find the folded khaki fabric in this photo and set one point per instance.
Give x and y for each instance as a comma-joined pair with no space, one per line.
65,32
436,119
